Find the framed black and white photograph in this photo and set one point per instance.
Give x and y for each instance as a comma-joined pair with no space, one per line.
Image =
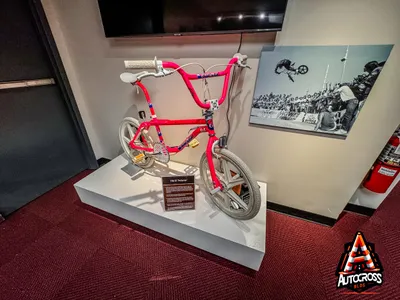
315,88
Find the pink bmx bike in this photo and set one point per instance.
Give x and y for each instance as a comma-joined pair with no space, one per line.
226,177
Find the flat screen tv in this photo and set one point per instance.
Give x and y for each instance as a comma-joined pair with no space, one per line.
123,18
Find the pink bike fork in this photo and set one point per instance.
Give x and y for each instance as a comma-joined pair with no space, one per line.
216,183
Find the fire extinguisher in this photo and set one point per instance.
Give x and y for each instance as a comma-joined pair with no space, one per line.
386,167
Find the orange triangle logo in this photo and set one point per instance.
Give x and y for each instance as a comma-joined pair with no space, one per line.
359,267
365,259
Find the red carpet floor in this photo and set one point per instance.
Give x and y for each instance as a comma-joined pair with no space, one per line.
55,248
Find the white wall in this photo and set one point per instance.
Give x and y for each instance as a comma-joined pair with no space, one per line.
54,17
312,173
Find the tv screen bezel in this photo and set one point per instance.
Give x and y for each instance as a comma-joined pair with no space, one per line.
194,33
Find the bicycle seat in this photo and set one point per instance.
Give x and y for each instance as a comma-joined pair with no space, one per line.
128,77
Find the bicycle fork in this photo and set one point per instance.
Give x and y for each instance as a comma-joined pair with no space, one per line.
212,142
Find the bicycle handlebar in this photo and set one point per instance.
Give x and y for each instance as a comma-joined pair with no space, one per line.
156,64
159,66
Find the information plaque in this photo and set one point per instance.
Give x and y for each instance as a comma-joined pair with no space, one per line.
179,192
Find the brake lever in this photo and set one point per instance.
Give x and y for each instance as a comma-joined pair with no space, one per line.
161,73
244,66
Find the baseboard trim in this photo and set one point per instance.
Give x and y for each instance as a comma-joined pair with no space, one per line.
362,210
298,213
102,161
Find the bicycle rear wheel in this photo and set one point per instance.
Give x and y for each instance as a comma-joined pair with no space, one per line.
240,197
127,130
303,69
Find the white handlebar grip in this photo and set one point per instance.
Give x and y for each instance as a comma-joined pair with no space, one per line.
140,64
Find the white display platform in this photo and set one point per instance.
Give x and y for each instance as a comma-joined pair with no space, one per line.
139,199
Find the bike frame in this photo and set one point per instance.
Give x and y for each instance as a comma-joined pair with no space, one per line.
205,125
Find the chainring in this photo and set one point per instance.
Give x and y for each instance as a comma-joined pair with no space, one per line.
161,153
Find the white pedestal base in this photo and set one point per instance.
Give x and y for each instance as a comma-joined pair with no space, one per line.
139,199
366,198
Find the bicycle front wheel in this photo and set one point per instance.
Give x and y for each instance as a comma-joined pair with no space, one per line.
240,197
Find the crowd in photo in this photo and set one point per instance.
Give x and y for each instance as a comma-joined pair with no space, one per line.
337,104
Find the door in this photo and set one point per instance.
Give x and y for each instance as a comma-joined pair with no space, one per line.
40,145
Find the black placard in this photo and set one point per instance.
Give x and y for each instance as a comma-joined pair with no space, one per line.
179,192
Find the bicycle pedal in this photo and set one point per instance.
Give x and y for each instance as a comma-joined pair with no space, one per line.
194,143
138,158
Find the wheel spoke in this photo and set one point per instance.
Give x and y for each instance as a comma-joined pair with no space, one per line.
220,176
227,171
236,177
234,197
127,140
235,183
130,131
227,200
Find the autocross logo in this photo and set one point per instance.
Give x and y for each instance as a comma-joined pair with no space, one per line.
359,267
